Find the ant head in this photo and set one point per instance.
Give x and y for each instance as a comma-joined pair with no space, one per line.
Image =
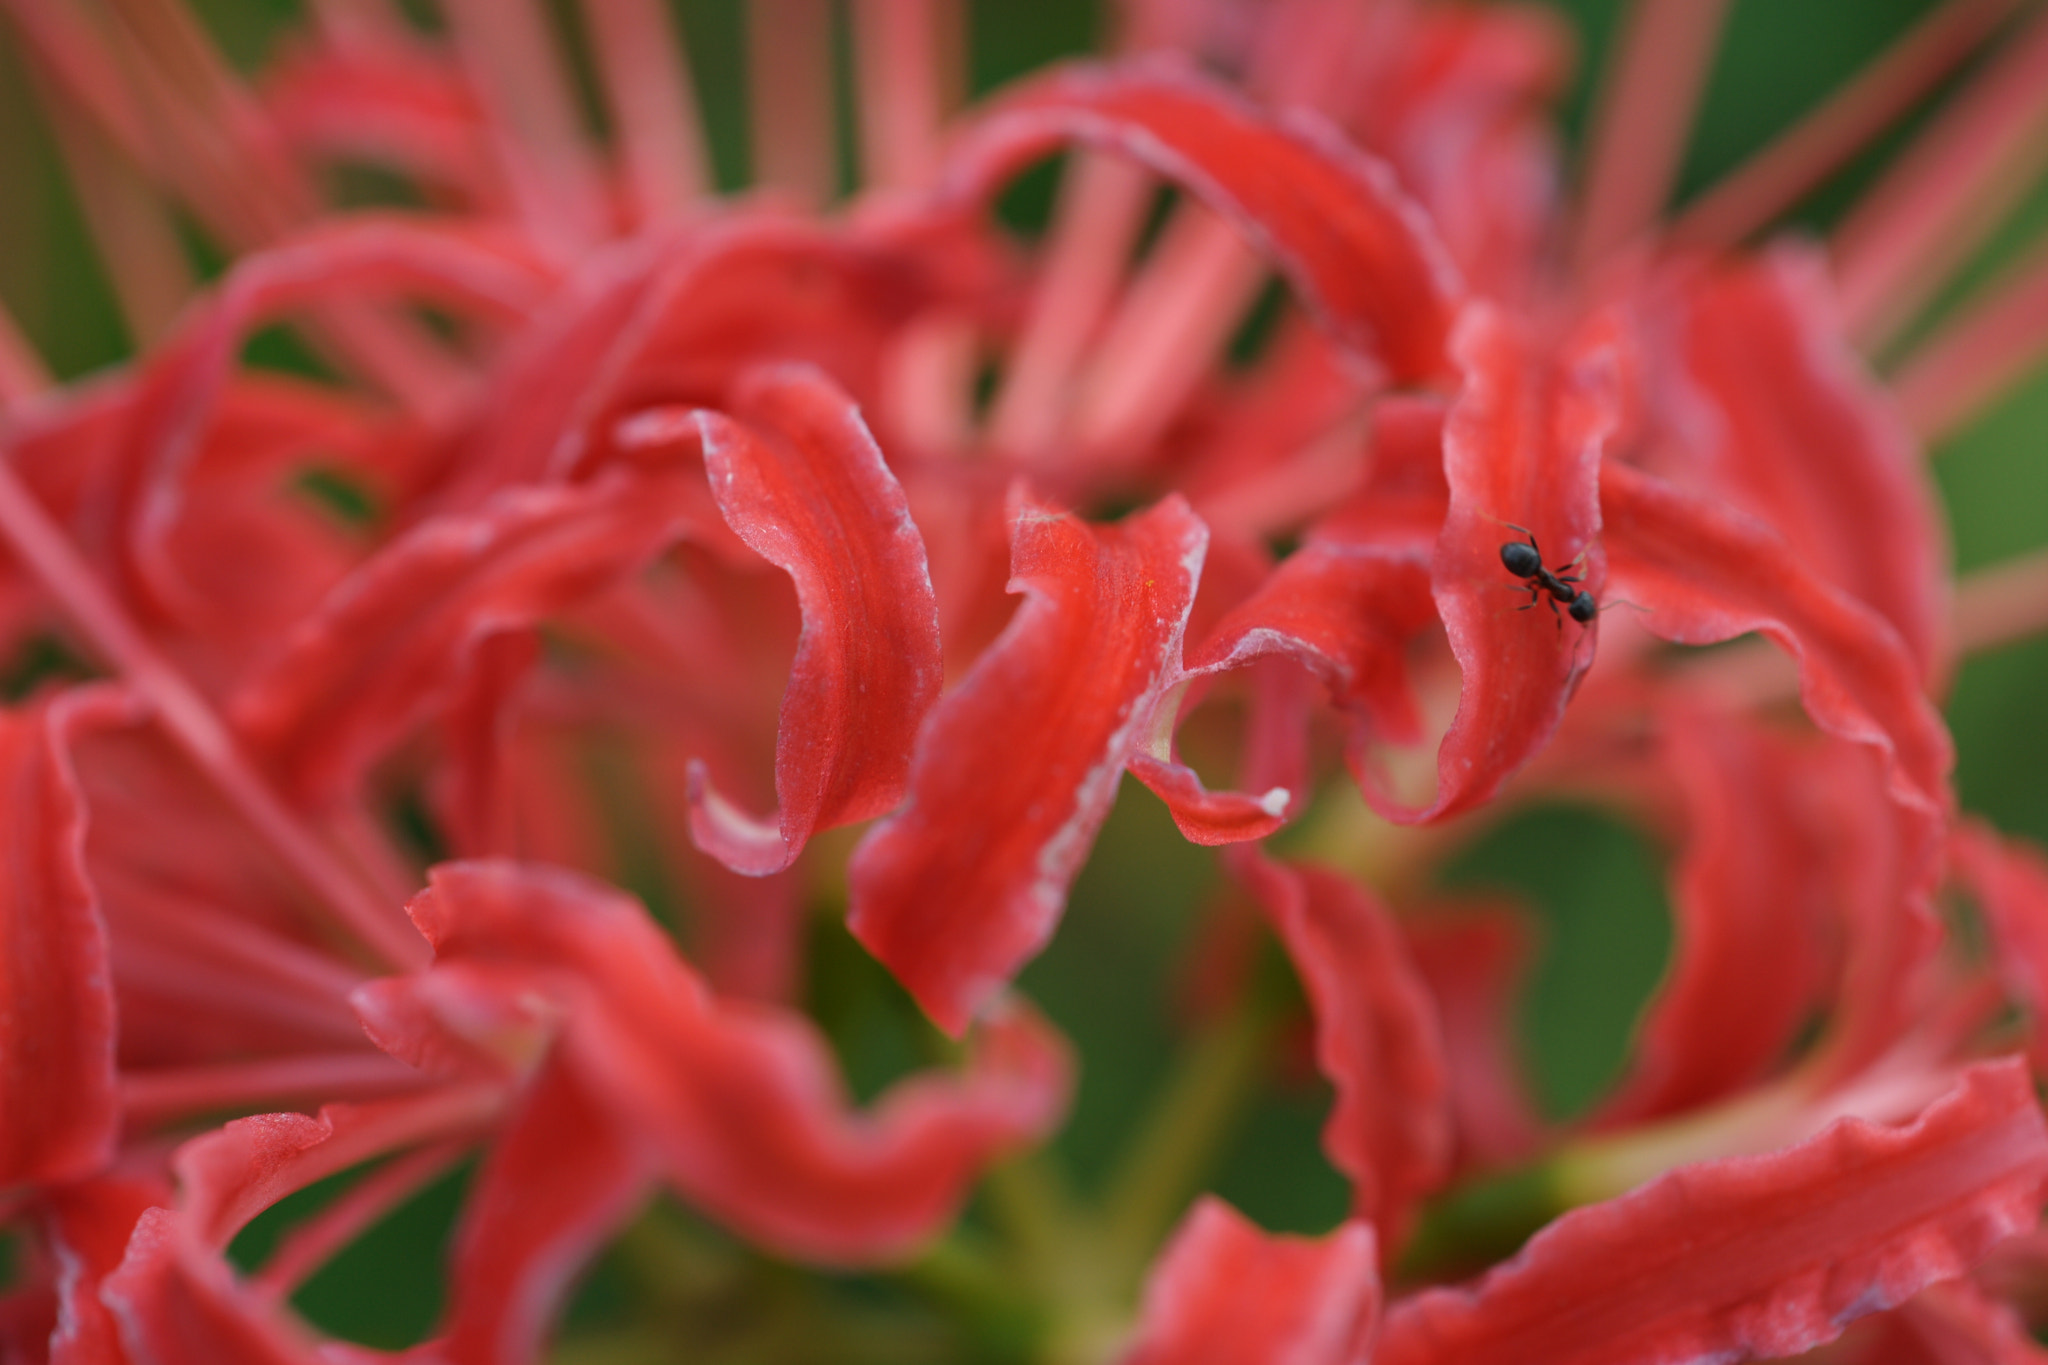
1522,560
1583,609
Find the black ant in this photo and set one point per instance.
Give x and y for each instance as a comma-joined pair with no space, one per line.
1526,563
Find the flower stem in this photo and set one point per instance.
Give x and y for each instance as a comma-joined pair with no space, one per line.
1169,1158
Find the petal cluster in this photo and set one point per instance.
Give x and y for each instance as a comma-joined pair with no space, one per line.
819,576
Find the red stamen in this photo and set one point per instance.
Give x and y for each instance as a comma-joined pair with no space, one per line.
513,64
1175,317
313,1242
192,724
896,46
138,243
1198,282
653,104
1102,204
2002,604
1946,193
789,91
1792,164
1647,98
177,1092
77,60
1977,356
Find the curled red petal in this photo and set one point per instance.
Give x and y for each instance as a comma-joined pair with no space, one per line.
1223,1291
1017,766
228,1176
180,389
559,1179
1473,958
179,1304
738,1104
1794,431
1377,1037
1755,1256
675,320
1703,573
1522,447
88,1225
1345,607
174,1297
799,479
1753,898
1330,217
1206,817
59,1106
396,641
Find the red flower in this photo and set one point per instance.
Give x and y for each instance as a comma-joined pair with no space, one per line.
683,538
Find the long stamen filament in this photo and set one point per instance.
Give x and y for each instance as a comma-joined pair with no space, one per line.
193,725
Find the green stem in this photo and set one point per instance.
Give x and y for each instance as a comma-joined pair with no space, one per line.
1483,1222
1168,1160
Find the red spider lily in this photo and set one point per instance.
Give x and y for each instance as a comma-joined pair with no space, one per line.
703,485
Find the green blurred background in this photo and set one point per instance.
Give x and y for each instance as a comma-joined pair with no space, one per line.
1110,977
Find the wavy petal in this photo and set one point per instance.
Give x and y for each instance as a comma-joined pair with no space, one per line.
559,1179
1377,1037
1223,1291
1016,768
736,1104
1755,1256
1522,445
395,642
174,1296
340,263
675,320
1793,430
88,1225
799,478
1345,607
1474,958
59,1106
1704,573
1754,896
1330,217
